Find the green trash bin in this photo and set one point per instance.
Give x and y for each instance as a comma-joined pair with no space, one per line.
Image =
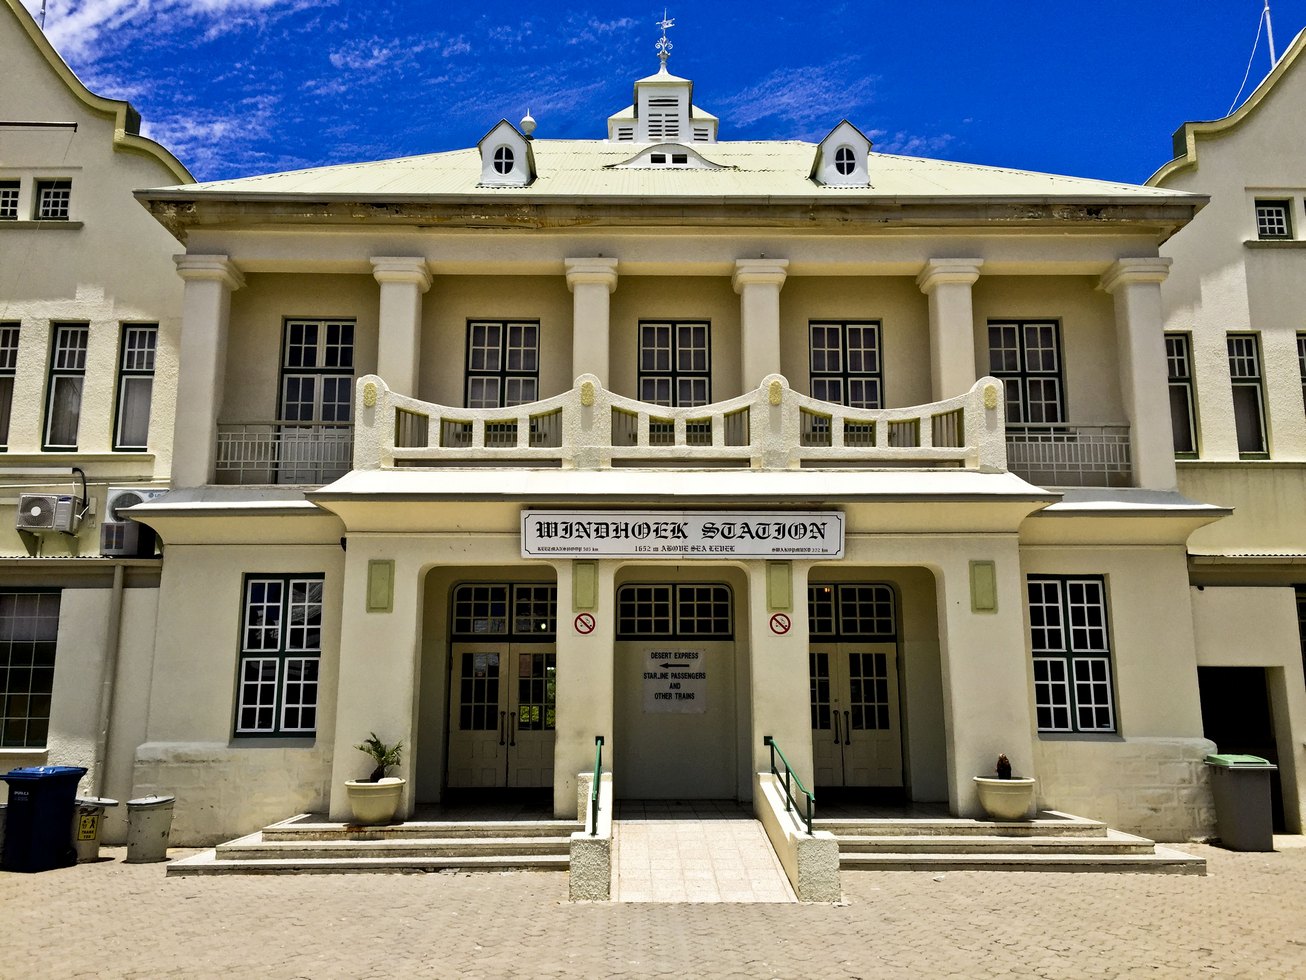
1243,814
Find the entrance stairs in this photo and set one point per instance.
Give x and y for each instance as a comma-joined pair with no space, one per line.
1052,841
309,844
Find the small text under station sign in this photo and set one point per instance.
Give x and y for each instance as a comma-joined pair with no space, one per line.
675,681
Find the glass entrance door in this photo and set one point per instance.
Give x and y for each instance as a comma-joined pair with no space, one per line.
856,737
502,715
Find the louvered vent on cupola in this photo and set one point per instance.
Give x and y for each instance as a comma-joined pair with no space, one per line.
664,118
625,134
702,134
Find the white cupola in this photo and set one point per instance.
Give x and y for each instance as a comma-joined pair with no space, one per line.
506,157
843,158
663,110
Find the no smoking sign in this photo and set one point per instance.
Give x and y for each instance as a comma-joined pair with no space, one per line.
584,624
780,624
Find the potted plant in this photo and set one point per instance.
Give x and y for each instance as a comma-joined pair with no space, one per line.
1006,797
376,799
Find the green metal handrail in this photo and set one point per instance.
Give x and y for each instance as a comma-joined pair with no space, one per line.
594,786
790,801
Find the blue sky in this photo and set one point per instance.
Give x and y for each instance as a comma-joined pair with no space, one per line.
237,87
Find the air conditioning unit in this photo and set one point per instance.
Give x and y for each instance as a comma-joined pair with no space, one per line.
120,536
49,513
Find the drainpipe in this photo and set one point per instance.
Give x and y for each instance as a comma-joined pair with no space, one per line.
112,629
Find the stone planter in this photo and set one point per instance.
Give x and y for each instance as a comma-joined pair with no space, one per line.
1006,799
375,803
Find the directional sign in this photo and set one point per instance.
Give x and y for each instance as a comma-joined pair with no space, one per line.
584,624
780,624
675,681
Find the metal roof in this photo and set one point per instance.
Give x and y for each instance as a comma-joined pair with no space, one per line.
748,170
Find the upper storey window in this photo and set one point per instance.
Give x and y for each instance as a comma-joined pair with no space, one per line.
506,157
503,160
845,161
503,363
52,197
842,159
9,200
1026,357
1273,219
675,364
845,363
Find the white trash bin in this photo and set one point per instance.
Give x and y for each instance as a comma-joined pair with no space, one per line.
88,814
149,820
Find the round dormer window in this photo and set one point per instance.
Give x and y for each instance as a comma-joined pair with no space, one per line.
845,161
503,160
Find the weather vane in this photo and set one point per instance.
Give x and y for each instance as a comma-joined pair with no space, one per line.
663,45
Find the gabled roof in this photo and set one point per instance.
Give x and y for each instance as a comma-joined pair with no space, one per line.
127,121
749,171
1187,135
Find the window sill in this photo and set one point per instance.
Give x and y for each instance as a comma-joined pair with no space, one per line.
1275,243
33,225
13,752
1080,737
294,740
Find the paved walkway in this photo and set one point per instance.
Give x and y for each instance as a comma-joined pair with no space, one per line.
697,851
1247,918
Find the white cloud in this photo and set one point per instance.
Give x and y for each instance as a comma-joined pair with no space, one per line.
910,144
814,97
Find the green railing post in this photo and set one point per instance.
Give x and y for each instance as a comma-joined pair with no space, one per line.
594,786
790,801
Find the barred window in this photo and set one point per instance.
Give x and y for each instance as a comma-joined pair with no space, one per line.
280,653
851,610
1071,645
845,363
523,610
671,611
29,633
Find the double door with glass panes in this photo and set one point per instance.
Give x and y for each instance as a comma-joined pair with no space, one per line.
503,668
856,730
502,716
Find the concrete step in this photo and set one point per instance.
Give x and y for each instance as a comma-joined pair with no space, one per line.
1050,823
258,847
207,863
298,828
1114,842
1162,860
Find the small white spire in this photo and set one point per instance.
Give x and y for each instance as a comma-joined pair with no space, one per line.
527,124
1269,31
664,46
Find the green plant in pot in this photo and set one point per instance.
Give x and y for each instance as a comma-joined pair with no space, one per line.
1005,797
375,800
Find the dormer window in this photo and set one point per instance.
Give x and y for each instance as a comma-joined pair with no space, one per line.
506,157
503,160
845,161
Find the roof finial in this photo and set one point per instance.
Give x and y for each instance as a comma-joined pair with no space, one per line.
664,46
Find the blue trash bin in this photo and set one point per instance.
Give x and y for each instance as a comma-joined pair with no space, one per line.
38,831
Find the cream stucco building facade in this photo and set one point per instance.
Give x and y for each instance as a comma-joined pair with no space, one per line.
672,440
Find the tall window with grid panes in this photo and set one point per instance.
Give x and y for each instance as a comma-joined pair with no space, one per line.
1071,644
1025,355
1183,400
1248,393
63,405
8,368
131,430
280,653
503,363
317,391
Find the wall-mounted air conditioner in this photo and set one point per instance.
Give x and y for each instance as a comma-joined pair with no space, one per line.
49,513
120,536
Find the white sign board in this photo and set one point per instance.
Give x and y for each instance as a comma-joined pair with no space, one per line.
675,681
681,534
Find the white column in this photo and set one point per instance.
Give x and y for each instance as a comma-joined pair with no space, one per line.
1135,285
403,281
591,282
584,690
758,283
779,673
947,283
206,309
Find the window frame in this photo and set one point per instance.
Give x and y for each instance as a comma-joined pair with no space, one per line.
48,189
7,695
319,371
1071,655
1179,376
504,159
845,160
845,375
9,202
1284,207
517,596
10,330
282,655
55,374
1022,376
127,375
503,375
841,626
1255,382
678,625
1301,364
674,374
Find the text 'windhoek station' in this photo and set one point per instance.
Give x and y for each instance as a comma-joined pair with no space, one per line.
742,464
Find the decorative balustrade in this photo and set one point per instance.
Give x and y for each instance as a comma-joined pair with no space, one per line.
1071,455
296,453
589,427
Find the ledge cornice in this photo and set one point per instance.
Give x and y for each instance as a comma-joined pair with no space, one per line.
1125,272
600,270
937,272
209,268
403,269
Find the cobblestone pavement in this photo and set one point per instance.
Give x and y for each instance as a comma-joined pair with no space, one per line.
1246,919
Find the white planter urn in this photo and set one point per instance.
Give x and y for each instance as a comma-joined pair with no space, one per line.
375,803
1006,799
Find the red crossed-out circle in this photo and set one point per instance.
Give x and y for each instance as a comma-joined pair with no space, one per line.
584,624
780,624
